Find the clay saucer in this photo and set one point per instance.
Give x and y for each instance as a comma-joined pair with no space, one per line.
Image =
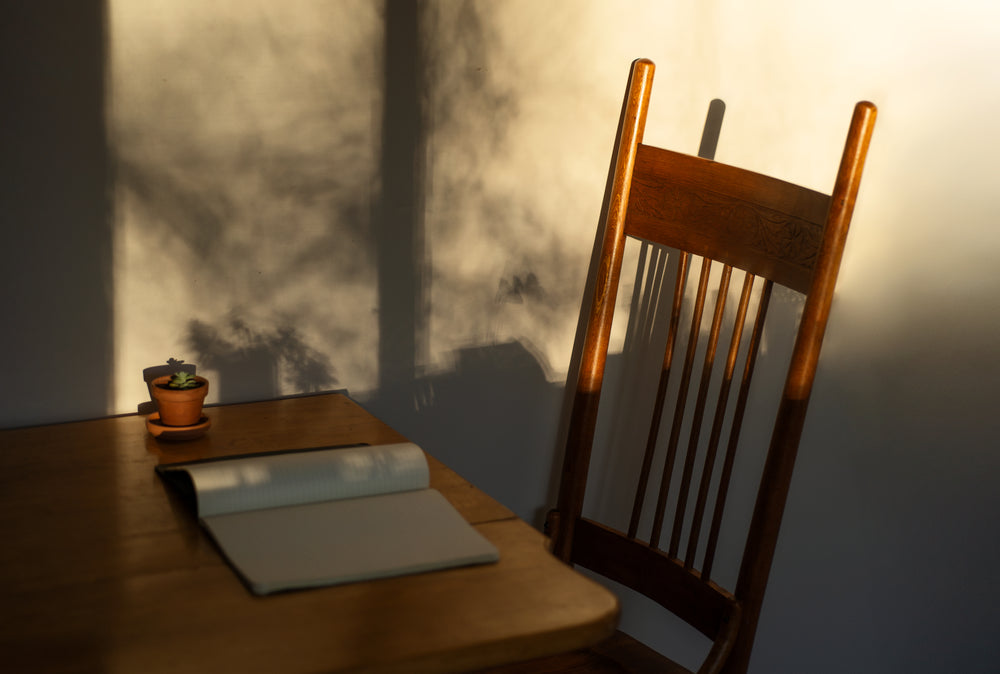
161,431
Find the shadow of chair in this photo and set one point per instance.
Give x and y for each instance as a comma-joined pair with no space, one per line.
740,229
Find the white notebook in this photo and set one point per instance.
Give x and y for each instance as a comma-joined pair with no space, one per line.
326,516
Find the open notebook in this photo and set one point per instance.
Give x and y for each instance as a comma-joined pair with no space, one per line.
326,516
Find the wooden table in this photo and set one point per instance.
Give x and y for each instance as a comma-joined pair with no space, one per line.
102,569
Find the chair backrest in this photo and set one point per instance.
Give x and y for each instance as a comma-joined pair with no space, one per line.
775,232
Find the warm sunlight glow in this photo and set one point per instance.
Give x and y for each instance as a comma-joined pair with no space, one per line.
251,221
245,136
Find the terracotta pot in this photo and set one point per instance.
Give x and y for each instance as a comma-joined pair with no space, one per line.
179,407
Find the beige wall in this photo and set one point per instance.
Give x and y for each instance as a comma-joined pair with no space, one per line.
261,228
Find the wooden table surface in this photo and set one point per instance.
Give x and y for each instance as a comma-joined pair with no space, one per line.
102,569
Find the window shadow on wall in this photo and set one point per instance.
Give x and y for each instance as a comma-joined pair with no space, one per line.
493,414
57,302
56,312
488,414
398,228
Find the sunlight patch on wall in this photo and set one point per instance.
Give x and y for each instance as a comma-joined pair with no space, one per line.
522,118
925,195
245,137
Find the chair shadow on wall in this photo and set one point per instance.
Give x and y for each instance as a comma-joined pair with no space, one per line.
644,335
771,233
490,414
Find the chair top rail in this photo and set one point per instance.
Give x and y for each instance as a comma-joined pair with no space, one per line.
768,227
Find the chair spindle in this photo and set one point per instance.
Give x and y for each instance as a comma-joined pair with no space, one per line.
718,420
734,430
661,393
675,429
698,415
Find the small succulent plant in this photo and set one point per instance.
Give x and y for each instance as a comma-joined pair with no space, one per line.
182,380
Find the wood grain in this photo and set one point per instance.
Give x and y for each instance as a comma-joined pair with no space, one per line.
766,226
104,570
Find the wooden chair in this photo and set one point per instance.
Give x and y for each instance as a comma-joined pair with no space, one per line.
775,232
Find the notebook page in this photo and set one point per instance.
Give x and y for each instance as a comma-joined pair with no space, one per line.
273,480
345,541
